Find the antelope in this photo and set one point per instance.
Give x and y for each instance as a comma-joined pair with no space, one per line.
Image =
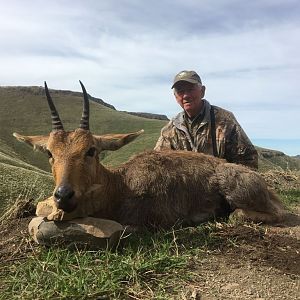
153,189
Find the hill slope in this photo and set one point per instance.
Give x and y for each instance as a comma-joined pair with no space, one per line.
25,110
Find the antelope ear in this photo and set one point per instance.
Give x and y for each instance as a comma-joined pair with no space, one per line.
38,142
115,141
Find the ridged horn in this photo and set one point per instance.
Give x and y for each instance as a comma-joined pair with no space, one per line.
84,122
56,122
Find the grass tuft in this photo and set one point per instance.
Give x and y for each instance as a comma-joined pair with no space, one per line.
150,266
290,197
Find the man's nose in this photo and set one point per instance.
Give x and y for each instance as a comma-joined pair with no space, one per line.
186,95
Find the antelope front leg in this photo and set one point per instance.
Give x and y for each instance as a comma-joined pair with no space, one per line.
49,210
46,207
87,207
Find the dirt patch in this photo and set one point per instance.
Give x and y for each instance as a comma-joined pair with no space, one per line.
270,246
221,276
15,242
282,180
253,262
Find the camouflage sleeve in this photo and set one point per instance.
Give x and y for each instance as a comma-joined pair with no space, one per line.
165,139
239,148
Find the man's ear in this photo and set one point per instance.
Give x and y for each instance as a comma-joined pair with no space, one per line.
115,141
38,142
203,88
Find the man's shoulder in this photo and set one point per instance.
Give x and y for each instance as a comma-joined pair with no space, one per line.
176,122
223,114
178,118
168,126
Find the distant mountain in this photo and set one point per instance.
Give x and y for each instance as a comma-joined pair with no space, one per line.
273,159
148,115
39,90
100,101
138,114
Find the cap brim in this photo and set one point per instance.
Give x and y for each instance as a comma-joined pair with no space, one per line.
187,80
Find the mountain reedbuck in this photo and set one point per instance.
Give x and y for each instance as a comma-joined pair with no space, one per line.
153,189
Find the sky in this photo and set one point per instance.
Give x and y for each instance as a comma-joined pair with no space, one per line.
127,53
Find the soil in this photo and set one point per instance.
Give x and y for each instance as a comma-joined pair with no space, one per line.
255,263
251,262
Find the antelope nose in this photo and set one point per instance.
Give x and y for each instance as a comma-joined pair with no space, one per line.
63,197
63,192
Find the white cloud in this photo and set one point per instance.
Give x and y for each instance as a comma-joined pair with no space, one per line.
128,52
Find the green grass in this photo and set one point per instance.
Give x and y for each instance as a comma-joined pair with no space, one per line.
149,266
16,182
290,198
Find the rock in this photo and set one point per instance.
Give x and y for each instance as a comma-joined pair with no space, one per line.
93,233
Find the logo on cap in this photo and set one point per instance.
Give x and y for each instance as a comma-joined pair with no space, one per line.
182,74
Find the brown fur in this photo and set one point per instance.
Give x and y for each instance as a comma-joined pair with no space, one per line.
153,189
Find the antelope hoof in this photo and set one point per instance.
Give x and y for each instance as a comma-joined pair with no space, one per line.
238,216
57,215
45,208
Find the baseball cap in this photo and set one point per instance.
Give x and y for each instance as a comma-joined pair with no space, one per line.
189,76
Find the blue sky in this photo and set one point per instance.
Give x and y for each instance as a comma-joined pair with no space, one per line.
127,53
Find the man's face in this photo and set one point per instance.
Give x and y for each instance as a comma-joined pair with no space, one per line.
189,97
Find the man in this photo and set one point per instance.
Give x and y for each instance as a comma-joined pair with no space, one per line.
202,127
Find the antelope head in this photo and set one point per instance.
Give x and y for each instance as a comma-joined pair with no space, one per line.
73,155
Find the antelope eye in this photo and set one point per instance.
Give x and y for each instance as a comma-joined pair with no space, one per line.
91,151
49,154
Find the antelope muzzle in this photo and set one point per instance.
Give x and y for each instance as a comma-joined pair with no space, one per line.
64,198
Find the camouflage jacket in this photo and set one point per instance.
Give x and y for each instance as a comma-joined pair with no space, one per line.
231,141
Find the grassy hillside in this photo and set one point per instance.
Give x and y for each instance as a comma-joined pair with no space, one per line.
23,183
24,110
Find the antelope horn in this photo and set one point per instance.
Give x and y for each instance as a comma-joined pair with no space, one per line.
56,122
84,122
